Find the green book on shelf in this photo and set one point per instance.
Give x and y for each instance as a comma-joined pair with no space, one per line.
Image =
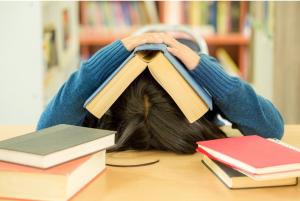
55,145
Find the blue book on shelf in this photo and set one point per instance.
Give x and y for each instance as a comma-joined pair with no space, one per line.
192,99
213,14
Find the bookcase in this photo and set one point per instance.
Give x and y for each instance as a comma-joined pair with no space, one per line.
60,34
222,24
29,77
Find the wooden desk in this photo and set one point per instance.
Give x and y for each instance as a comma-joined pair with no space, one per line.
177,177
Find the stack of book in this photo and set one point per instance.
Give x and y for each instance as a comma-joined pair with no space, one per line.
52,164
251,161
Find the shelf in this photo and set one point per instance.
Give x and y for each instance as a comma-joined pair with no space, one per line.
228,39
102,36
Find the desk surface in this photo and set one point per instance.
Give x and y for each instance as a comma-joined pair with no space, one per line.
175,177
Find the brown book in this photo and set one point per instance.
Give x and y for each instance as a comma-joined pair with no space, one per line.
193,100
235,180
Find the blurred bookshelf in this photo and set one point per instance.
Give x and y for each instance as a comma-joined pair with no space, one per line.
60,44
222,24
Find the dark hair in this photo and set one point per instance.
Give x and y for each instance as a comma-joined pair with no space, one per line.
146,117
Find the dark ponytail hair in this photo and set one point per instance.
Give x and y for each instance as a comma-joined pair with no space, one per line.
146,117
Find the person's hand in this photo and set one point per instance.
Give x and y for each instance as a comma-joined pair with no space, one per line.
132,42
188,57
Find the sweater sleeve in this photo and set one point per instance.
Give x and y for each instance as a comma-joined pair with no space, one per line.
67,105
237,101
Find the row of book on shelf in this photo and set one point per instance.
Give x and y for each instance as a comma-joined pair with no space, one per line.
63,159
118,13
220,17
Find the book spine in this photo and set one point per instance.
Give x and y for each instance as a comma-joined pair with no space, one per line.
213,15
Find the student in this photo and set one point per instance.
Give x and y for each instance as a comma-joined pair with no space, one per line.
145,116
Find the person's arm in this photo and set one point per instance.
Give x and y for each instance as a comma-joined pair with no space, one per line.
249,112
236,100
67,105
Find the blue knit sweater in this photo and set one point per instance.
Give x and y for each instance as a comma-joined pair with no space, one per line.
235,99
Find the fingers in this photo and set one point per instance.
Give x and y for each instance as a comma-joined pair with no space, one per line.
157,37
132,42
169,40
189,58
174,51
148,38
181,51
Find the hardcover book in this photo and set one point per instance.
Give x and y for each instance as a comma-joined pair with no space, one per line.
58,183
55,145
257,157
193,100
234,179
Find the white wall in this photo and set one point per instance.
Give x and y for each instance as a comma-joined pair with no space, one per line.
21,68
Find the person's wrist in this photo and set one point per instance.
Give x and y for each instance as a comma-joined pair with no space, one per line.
195,62
128,43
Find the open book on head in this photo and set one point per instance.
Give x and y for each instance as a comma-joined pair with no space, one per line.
193,100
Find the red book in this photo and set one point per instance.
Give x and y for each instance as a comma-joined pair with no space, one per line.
253,154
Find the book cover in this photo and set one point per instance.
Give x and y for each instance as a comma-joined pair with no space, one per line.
54,145
151,55
252,154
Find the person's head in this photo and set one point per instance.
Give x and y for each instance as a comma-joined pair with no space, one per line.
146,117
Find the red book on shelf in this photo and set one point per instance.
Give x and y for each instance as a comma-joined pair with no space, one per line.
252,154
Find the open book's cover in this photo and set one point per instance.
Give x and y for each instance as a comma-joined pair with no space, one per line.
202,92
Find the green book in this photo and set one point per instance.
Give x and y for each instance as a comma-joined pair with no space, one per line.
55,145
